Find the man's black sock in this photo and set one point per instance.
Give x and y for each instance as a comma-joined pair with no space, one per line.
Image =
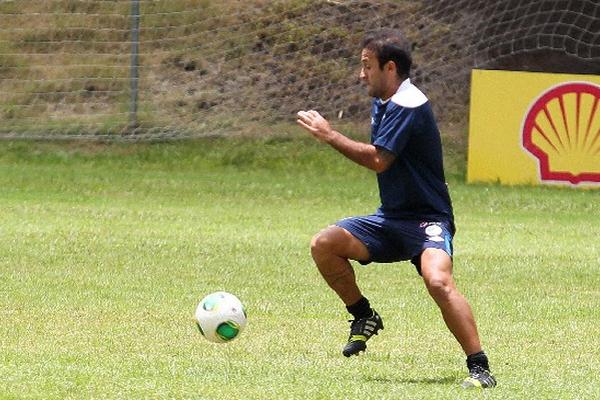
479,359
360,309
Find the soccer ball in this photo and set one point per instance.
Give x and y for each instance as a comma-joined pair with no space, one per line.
220,317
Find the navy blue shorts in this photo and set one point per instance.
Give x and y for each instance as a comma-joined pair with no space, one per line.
392,239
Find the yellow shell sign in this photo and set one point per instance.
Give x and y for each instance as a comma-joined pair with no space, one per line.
534,128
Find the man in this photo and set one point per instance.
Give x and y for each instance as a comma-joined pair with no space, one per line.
415,220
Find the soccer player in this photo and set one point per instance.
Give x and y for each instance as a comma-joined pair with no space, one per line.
415,219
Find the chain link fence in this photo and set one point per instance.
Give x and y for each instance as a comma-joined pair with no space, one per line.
144,69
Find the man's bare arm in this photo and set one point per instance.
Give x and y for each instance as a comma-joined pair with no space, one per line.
367,155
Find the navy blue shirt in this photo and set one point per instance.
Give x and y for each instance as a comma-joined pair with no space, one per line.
414,186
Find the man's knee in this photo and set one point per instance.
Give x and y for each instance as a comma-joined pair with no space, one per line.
322,244
335,241
439,286
436,268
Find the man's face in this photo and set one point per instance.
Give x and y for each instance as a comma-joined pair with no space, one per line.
371,74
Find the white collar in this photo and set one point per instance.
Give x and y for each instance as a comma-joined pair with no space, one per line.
403,86
408,95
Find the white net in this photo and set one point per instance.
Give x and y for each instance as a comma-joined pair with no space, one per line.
68,68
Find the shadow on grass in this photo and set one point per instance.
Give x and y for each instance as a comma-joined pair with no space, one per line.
448,380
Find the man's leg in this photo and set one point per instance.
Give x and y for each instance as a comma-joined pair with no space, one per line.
331,249
436,269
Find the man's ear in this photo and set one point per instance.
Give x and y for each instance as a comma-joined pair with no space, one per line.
390,66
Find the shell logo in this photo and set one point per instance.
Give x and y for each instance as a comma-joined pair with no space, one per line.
562,130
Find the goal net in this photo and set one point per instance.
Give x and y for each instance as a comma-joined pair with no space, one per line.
181,68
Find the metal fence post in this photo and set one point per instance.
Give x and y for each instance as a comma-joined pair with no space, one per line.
134,73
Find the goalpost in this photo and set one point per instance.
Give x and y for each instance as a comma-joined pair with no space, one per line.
181,68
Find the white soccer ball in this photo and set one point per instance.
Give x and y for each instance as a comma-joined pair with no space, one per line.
220,317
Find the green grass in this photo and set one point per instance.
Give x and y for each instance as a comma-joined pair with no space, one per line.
105,251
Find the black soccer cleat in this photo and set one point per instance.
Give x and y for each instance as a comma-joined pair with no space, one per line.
361,330
479,378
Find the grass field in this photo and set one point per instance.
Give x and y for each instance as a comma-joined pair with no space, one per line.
105,251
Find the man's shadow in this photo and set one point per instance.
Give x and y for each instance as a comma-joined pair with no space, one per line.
447,380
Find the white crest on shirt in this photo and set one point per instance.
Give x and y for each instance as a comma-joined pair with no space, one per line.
408,95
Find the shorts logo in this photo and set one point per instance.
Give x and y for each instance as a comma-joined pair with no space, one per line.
562,130
433,230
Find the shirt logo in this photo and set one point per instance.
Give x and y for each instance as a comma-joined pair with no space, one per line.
562,131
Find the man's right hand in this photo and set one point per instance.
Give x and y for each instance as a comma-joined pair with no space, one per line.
316,124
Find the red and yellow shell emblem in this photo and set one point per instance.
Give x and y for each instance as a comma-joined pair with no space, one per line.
562,130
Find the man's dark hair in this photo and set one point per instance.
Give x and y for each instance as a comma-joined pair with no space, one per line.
390,45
